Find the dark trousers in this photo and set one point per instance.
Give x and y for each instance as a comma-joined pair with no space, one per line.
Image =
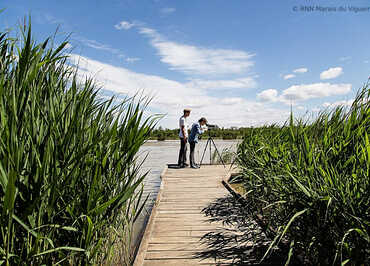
182,153
192,149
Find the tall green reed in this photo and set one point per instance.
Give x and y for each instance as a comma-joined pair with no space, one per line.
310,181
69,173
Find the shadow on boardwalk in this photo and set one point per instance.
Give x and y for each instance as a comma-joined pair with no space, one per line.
240,241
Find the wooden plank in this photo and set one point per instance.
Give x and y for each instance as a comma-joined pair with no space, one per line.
176,224
182,262
171,254
195,246
179,234
174,239
181,227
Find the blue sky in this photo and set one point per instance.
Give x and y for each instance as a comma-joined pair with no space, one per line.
239,63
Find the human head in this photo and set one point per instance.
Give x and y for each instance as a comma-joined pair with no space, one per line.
186,112
202,121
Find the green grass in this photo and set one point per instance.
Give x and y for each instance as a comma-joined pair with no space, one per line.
310,181
69,175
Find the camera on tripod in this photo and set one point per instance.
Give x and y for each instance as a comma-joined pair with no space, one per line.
211,142
210,126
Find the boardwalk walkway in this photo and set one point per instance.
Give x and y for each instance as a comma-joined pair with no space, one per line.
176,223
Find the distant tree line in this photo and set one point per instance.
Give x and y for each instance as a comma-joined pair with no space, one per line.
218,133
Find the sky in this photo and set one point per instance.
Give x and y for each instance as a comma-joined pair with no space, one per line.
238,62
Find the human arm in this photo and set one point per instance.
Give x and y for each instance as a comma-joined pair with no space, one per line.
201,129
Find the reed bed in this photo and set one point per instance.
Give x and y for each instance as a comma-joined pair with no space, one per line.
309,184
69,174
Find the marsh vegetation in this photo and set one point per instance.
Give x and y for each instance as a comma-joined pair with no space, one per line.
69,175
309,182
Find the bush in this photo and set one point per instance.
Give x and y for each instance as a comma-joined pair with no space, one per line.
68,170
310,182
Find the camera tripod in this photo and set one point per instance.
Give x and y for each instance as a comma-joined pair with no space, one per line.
210,141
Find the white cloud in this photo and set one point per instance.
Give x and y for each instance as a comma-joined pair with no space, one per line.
315,90
196,60
232,101
170,97
300,70
167,10
304,92
124,25
289,76
338,103
240,83
269,95
366,61
132,59
331,73
100,46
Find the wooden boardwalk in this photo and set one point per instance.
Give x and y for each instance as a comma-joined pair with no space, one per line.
176,223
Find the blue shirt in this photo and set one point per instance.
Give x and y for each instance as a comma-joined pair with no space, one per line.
196,130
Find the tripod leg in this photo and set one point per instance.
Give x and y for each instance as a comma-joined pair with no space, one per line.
210,151
219,155
204,152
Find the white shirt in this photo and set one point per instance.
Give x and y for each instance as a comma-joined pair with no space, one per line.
183,122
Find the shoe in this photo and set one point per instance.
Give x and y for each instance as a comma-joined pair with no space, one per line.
194,166
186,164
182,166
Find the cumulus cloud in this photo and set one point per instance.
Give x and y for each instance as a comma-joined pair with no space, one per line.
300,70
124,25
331,73
304,92
239,83
232,101
270,95
315,90
289,76
196,60
170,96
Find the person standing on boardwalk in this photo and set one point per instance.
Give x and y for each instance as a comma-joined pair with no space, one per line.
196,130
183,134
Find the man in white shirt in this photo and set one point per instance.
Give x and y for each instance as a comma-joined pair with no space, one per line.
183,134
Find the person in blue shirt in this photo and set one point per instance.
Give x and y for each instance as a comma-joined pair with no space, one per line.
196,130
